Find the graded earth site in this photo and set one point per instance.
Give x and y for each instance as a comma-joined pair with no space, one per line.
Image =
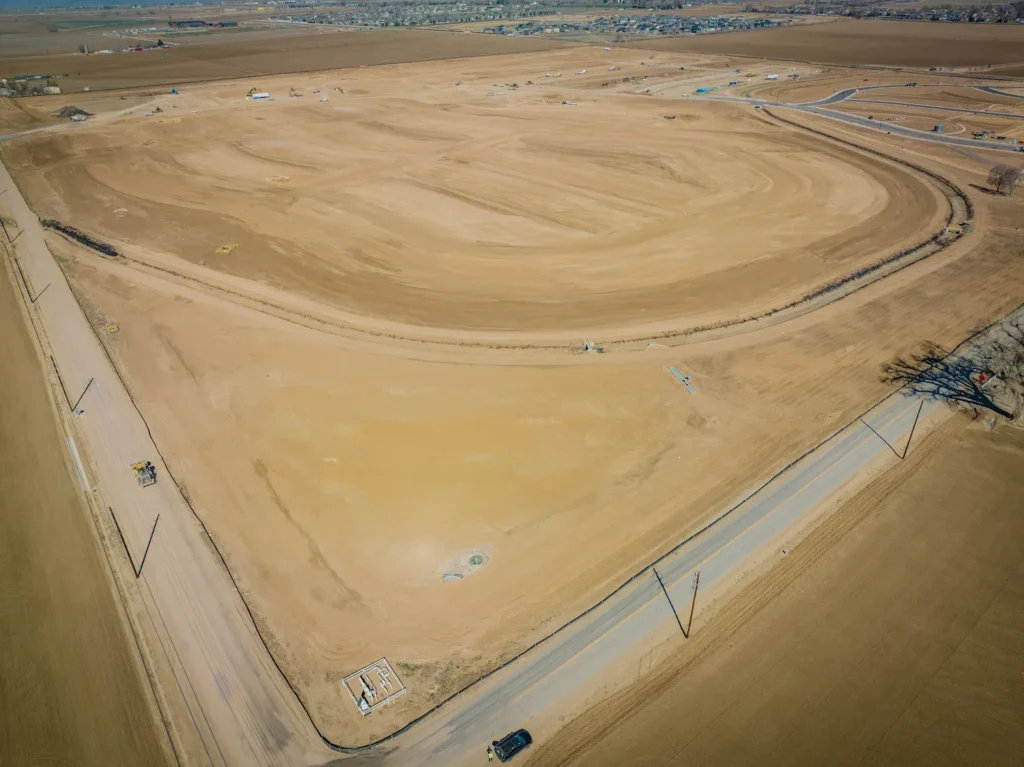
409,199
432,357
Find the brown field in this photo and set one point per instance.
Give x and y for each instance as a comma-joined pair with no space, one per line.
891,635
545,226
1008,70
245,56
342,469
60,32
350,323
71,691
906,44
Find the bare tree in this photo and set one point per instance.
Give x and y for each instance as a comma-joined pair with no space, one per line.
971,380
1005,178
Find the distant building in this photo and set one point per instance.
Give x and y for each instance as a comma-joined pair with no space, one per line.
187,23
51,90
227,24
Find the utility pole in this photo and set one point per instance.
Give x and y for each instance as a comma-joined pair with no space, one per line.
693,604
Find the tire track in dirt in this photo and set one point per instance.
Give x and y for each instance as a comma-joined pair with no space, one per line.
960,209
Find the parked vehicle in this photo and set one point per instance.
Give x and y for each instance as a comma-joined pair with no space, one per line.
511,745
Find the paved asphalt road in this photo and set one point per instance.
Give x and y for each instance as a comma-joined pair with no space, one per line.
998,92
848,92
816,107
955,110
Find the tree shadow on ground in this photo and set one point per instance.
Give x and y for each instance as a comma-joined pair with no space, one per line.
987,374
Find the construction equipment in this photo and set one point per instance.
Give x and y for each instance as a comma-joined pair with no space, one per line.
145,473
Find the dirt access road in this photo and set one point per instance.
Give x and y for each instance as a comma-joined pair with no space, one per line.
70,689
240,706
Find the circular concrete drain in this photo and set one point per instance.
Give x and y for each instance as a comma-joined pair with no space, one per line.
477,560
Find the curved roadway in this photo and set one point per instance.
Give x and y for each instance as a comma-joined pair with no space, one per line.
819,108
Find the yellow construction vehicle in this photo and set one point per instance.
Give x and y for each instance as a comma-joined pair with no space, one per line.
145,473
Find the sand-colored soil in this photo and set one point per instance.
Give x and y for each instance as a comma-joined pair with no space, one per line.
70,691
894,637
342,485
342,478
423,203
846,41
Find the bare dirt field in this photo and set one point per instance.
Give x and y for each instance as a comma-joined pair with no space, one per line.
69,689
544,224
319,48
344,473
907,44
890,636
343,485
